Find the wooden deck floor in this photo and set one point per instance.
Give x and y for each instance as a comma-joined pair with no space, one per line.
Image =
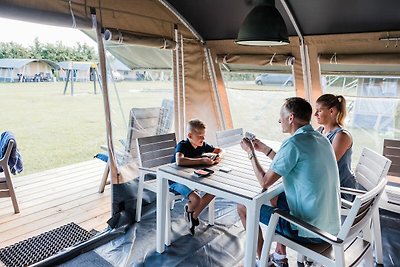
53,198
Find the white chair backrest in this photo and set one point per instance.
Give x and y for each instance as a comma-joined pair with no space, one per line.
229,138
371,168
145,122
391,150
156,150
361,212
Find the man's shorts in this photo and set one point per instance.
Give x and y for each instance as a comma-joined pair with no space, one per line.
283,227
180,188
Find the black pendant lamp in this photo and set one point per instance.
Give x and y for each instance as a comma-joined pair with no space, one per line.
263,26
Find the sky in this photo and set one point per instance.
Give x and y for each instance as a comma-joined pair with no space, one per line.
25,32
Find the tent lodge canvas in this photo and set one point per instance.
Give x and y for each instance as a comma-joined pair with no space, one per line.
26,70
198,41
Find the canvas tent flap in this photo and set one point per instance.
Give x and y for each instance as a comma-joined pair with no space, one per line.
360,64
196,94
114,35
140,16
55,13
256,59
364,59
137,57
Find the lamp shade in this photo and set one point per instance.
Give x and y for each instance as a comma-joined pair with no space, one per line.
263,26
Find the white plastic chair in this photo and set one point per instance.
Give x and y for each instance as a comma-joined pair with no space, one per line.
229,138
142,122
347,248
371,169
154,151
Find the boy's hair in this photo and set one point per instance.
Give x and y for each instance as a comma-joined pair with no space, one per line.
195,125
299,107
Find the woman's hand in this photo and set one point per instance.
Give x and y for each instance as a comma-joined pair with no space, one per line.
247,145
260,146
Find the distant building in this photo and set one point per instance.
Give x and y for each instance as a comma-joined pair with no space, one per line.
26,70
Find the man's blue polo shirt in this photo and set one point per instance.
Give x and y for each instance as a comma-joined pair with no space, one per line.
310,178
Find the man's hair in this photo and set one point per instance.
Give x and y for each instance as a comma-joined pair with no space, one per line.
195,125
299,107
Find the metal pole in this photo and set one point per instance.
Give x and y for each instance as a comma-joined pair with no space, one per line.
183,88
178,85
305,61
66,81
106,101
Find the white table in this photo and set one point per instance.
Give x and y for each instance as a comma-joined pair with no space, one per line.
240,185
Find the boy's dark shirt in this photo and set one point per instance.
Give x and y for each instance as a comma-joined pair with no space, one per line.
186,148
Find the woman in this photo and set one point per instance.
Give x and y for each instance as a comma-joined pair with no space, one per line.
330,113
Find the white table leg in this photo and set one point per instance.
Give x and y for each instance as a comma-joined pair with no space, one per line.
253,218
162,206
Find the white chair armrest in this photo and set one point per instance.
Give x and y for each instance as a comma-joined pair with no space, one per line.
352,191
327,237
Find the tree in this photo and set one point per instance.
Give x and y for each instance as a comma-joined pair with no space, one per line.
55,52
13,50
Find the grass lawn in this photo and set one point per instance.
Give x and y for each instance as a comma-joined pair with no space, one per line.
54,130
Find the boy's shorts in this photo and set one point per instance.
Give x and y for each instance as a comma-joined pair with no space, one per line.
283,227
180,188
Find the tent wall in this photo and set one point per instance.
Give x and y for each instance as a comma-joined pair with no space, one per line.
148,17
30,69
34,68
80,75
195,95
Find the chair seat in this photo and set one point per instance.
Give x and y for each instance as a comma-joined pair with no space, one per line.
3,183
352,250
346,248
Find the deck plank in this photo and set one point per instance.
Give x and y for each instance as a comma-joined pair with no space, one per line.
53,198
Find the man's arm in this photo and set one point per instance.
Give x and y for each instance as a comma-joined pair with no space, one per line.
266,179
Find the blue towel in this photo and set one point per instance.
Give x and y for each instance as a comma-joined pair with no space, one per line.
102,157
15,161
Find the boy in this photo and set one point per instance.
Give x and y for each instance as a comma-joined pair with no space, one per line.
188,153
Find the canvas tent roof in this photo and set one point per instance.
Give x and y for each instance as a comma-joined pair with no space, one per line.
118,65
211,19
15,63
217,22
315,17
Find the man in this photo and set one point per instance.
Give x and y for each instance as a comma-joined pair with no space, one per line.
307,163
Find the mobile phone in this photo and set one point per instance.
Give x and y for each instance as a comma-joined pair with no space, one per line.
250,136
203,172
225,169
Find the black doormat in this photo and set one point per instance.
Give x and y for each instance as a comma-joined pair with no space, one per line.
40,247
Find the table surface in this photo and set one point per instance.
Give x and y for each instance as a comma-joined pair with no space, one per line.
240,181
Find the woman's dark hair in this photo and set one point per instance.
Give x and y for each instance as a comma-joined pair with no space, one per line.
299,107
337,101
